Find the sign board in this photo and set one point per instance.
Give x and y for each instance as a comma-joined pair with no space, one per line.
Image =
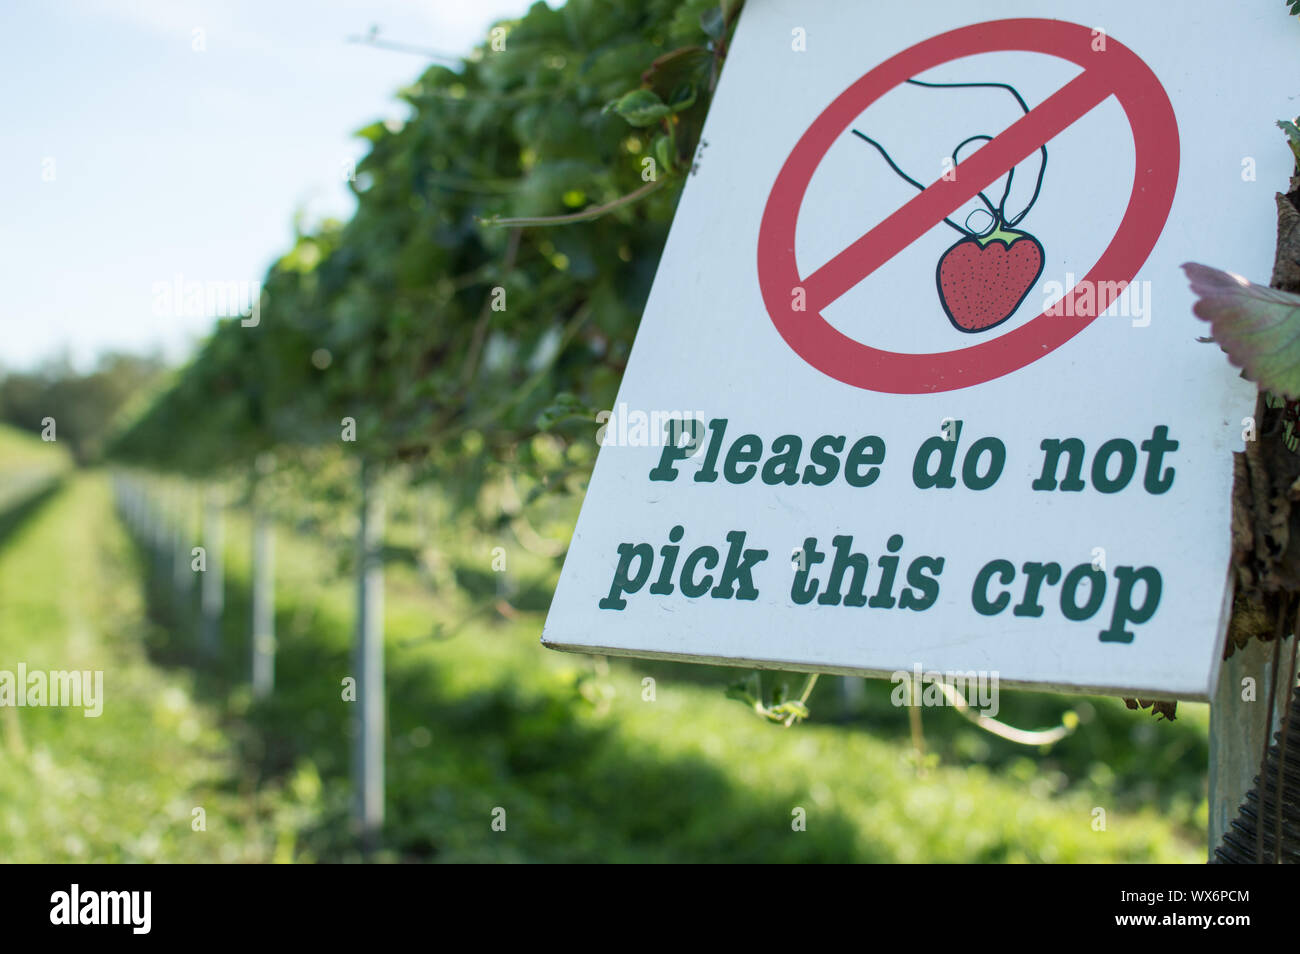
918,382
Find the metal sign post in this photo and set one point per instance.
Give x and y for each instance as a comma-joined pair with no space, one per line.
368,764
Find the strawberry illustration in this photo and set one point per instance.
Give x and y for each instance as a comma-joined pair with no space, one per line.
983,279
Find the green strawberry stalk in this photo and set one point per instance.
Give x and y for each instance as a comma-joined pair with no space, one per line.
1000,233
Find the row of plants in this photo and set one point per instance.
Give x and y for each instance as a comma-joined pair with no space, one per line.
460,312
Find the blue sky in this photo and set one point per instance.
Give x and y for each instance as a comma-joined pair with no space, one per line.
150,139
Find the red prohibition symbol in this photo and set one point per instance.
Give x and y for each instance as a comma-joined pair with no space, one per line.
1114,71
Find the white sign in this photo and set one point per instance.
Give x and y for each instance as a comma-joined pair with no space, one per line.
918,381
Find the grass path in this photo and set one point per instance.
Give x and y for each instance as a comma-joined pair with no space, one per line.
122,786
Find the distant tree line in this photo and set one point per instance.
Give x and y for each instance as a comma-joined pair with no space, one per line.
82,404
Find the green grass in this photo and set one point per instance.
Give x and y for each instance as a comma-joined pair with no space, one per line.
122,786
28,466
481,718
22,449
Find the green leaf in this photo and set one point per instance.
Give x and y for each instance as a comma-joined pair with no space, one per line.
669,74
1257,327
374,132
565,406
641,107
682,98
663,152
1290,128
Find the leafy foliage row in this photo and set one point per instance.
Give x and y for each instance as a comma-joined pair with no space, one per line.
449,338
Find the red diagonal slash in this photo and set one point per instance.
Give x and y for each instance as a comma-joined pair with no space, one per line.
795,304
992,160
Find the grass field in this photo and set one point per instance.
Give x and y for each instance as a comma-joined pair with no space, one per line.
584,764
122,786
28,466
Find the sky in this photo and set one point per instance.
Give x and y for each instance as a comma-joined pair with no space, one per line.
154,142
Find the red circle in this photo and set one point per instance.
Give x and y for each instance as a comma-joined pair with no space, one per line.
1156,149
